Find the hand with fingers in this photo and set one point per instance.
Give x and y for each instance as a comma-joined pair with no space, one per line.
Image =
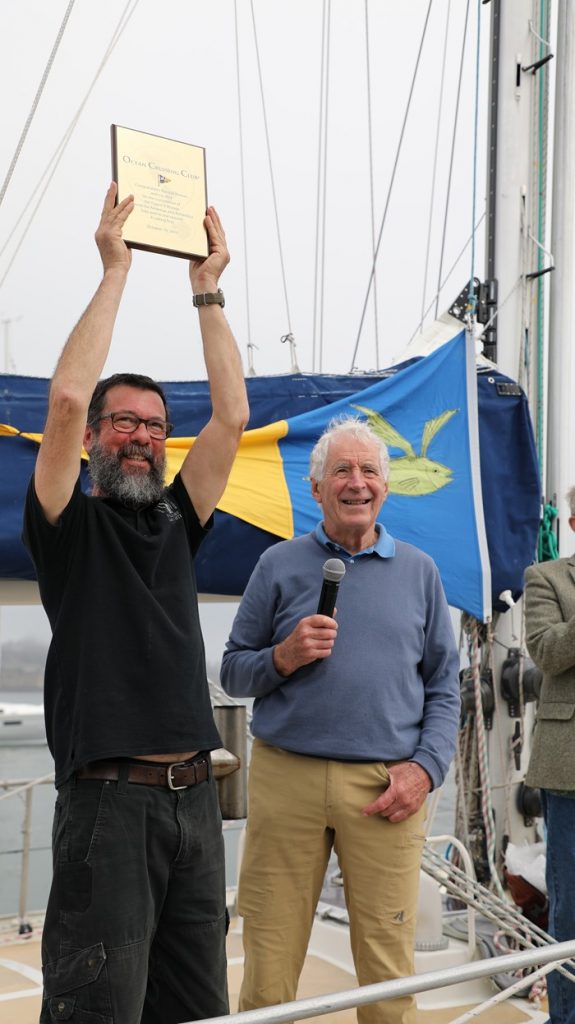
408,787
205,274
113,250
312,639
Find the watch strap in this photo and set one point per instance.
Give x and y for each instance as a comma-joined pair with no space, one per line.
209,299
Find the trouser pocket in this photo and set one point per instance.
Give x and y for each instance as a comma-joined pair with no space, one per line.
76,988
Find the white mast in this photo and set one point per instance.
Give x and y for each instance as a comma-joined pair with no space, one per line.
511,216
518,109
561,411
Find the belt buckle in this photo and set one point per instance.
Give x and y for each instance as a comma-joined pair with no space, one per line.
169,770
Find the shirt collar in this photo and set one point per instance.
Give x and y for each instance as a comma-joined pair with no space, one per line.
384,546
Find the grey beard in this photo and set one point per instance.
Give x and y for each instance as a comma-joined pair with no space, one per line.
133,489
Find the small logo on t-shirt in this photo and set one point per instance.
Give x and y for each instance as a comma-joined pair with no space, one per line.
169,509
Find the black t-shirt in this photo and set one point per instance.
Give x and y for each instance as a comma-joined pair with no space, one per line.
125,673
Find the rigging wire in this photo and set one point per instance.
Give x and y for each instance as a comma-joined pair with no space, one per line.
36,101
504,747
324,182
481,739
391,183
472,298
452,158
58,153
371,191
250,347
322,89
446,279
435,160
272,179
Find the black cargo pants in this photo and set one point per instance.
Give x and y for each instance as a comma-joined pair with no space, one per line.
136,919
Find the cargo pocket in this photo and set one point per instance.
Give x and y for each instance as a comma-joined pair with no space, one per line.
76,989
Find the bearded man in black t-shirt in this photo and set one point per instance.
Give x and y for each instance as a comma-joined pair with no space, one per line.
135,925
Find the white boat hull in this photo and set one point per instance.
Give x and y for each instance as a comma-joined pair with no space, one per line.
21,725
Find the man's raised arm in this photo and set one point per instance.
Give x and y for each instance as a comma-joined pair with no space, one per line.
207,466
80,366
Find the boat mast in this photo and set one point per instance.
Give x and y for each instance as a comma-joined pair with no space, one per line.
514,272
516,175
560,450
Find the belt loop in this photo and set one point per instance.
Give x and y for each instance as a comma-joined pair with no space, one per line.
122,784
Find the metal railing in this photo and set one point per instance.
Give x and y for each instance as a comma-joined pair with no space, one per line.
316,1006
548,956
12,788
230,772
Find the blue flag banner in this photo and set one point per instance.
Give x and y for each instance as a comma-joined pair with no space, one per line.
431,431
427,415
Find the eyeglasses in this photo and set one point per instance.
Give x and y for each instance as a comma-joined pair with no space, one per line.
128,422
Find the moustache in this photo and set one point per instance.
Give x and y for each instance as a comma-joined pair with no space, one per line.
133,450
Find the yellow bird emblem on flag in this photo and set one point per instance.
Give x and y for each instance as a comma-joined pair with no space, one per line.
412,475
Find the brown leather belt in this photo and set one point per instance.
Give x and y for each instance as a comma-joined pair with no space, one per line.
179,775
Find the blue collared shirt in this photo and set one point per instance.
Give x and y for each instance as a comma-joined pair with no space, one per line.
384,545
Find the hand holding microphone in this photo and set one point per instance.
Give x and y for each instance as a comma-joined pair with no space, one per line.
312,640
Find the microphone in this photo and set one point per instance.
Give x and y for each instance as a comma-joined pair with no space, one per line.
333,573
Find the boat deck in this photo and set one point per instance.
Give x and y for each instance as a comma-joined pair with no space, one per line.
21,984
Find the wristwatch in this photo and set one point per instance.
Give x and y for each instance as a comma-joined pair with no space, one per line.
210,299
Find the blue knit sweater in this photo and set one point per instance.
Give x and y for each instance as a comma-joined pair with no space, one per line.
390,689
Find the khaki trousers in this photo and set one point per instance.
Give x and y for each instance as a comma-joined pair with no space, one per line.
299,808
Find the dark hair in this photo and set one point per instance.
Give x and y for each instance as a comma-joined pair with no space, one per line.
133,380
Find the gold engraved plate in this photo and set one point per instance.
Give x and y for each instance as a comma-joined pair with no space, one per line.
168,181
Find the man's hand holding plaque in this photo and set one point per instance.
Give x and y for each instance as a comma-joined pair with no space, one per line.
168,181
205,273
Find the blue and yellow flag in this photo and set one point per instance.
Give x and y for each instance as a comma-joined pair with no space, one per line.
426,413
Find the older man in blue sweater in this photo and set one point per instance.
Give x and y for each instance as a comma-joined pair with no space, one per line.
355,721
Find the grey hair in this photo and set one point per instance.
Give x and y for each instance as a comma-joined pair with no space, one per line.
571,500
353,427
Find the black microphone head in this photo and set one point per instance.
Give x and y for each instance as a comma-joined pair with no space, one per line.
333,570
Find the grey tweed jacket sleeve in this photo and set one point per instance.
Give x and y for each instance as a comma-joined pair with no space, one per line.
550,637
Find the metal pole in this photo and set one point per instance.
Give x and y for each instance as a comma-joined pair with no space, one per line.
318,1005
230,722
6,322
24,926
560,412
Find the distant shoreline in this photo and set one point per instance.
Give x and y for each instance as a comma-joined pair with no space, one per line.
22,665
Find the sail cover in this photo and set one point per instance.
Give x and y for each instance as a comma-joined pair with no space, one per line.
463,474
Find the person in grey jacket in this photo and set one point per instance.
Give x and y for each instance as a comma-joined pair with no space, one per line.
550,637
355,720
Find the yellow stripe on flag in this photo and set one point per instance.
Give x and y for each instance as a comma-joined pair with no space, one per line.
7,431
257,491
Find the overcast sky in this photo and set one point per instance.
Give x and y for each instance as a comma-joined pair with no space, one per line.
173,72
